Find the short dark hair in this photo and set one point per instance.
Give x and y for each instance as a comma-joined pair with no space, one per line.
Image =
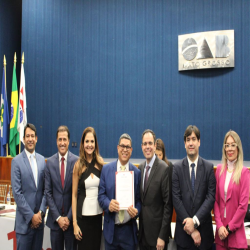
63,128
189,130
31,126
148,131
125,136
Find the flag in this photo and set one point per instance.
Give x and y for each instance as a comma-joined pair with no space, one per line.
22,116
14,135
4,117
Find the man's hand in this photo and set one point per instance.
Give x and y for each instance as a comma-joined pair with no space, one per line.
189,225
63,223
132,211
196,237
36,220
160,244
223,233
114,206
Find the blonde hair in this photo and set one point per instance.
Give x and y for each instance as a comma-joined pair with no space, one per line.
239,161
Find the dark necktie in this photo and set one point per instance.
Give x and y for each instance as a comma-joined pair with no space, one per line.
192,177
62,172
146,177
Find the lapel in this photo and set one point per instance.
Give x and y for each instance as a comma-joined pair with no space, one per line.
151,176
67,176
113,176
142,174
28,167
38,168
230,185
57,169
199,171
186,174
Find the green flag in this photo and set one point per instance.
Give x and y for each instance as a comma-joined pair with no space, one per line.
14,135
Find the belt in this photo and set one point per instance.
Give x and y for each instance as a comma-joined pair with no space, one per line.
130,222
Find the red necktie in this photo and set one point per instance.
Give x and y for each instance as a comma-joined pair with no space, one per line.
62,172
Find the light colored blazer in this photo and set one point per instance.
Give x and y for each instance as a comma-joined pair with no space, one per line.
29,198
236,208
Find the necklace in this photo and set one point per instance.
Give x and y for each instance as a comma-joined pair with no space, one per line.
230,171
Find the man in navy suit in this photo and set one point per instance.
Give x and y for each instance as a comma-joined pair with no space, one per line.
27,180
120,228
58,189
193,188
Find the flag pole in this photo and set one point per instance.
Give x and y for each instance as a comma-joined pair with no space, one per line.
22,62
4,64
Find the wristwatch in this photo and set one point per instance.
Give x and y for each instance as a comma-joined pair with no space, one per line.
228,229
42,213
195,223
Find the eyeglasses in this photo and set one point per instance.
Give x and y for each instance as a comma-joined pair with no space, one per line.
233,146
125,147
150,143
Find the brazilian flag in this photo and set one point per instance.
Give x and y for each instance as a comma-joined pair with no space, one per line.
14,134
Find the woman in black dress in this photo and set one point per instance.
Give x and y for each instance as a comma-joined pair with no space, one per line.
86,211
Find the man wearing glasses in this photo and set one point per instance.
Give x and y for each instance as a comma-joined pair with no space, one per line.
155,218
120,228
193,187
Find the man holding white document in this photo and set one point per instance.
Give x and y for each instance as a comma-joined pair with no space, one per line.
119,196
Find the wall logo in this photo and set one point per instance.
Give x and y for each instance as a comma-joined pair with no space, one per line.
213,49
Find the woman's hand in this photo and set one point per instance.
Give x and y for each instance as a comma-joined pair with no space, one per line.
77,231
223,233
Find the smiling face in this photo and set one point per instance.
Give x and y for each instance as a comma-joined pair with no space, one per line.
148,146
62,142
192,145
231,149
89,144
124,150
30,140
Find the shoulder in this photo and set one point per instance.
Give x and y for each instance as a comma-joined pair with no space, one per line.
72,156
108,166
245,170
39,156
206,163
141,166
135,169
180,163
219,166
52,158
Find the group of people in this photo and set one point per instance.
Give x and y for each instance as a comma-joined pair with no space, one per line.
78,190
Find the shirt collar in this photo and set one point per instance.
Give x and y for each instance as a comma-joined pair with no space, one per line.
151,163
29,154
195,162
65,156
119,165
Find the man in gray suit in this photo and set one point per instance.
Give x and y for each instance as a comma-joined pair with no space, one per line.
27,180
155,217
58,189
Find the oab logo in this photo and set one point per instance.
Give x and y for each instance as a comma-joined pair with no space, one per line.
206,50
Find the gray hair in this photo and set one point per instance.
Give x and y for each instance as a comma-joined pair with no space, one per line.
125,136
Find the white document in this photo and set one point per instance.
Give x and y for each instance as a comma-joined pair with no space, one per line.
124,189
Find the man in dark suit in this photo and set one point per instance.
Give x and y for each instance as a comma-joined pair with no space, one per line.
193,187
120,228
155,218
27,180
58,189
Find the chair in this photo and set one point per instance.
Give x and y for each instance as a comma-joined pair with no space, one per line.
3,191
12,200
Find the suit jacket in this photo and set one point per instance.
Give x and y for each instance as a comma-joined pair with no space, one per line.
236,204
58,197
200,203
29,198
107,193
156,214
